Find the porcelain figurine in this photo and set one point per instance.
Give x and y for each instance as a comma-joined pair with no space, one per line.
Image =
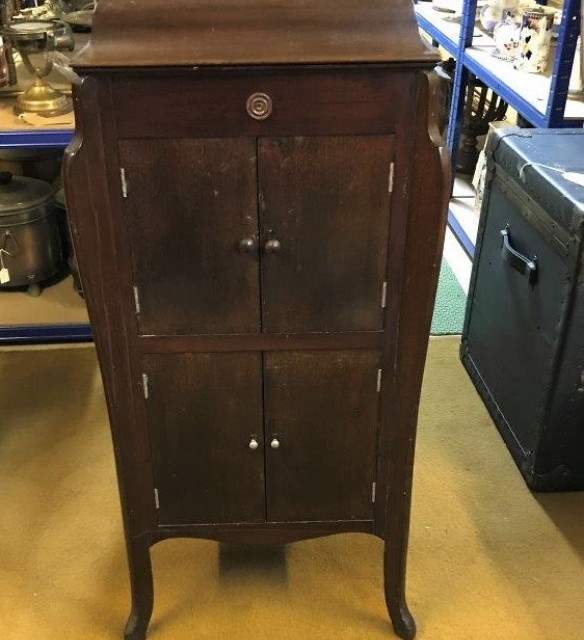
506,35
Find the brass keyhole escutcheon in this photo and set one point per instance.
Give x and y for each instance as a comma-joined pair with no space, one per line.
259,106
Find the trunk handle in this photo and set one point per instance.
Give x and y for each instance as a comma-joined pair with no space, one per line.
523,265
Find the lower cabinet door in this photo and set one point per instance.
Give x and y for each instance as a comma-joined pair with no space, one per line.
205,420
321,434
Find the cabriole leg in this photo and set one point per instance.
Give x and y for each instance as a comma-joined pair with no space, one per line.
395,591
142,590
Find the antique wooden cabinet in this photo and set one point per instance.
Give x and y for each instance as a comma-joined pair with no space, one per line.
257,198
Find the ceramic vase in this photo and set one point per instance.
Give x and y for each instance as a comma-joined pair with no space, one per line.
533,50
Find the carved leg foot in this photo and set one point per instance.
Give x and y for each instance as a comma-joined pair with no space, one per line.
142,591
402,621
136,627
395,591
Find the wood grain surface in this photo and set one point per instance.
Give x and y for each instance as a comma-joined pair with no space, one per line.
189,103
183,32
331,218
188,205
203,411
322,408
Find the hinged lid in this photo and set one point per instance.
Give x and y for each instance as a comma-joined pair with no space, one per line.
20,195
234,32
544,163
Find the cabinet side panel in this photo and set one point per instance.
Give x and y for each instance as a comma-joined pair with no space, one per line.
326,200
89,177
322,410
188,204
203,411
427,187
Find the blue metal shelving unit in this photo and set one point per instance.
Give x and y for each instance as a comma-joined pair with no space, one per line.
41,333
45,334
444,39
562,67
53,138
483,67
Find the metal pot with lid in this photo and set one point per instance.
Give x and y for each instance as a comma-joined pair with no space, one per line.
30,244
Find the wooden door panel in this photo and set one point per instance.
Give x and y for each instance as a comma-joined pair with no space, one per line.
203,409
326,200
322,408
189,202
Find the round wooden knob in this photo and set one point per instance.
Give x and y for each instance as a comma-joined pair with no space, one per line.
272,246
253,444
275,444
259,106
247,245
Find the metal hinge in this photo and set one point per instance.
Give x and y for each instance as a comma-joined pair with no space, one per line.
145,385
137,299
384,295
391,172
124,183
373,490
379,373
156,499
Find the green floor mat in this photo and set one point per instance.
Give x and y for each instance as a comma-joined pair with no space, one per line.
450,304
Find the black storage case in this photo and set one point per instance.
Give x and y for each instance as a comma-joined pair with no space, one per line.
523,336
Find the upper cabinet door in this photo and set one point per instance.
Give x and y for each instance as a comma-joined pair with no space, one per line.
191,210
324,209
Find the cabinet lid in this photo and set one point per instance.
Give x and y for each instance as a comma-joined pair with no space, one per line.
148,33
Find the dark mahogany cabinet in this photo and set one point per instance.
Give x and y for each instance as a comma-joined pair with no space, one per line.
257,197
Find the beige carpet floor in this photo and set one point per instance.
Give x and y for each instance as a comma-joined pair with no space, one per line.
488,559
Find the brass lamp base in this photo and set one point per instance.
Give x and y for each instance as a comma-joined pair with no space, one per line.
41,98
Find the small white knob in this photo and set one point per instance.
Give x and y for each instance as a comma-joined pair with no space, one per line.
275,444
253,444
